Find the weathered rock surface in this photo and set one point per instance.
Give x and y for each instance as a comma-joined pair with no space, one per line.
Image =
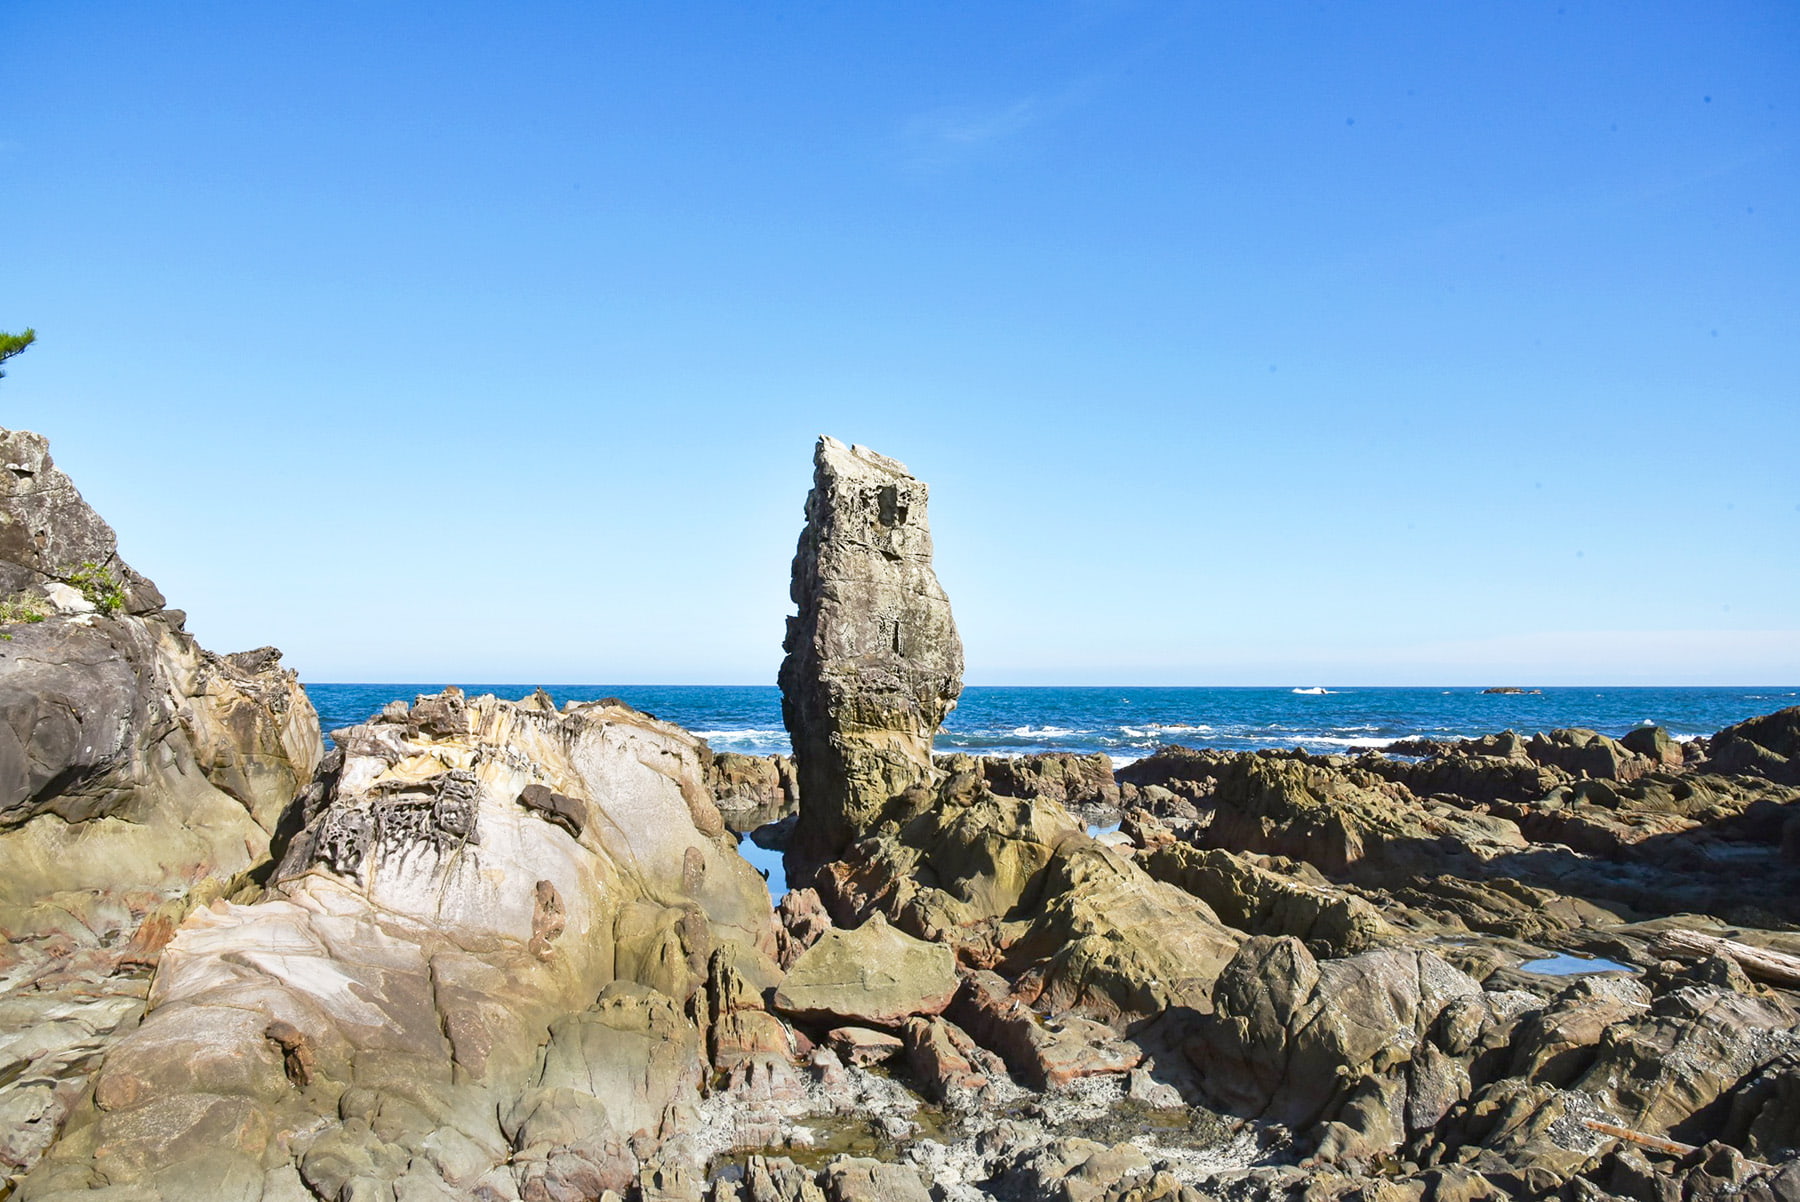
873,660
873,976
436,945
509,952
139,774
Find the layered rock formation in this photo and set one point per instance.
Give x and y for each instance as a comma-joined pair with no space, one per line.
873,660
138,772
472,975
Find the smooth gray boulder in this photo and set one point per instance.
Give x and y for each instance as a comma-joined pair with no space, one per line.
873,662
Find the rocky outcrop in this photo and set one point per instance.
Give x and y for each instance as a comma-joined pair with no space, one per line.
1378,1042
140,774
431,923
509,951
1764,746
873,660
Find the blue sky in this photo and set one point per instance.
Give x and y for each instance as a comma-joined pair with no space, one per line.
1240,343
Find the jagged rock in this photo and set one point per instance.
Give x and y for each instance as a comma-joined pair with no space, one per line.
139,773
1666,1073
1587,753
1075,1170
873,660
800,920
1072,780
1768,745
48,534
1115,944
873,976
861,1046
1345,823
951,1066
741,1028
1292,1036
404,943
1044,1056
1558,1044
753,790
1260,902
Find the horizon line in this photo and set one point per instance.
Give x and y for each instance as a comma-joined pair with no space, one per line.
1288,685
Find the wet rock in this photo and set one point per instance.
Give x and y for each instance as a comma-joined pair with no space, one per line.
873,660
753,790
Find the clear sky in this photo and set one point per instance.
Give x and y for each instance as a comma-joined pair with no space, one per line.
1261,343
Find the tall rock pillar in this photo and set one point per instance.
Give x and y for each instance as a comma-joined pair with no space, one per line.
873,661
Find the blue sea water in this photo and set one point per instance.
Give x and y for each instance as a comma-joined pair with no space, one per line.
1128,723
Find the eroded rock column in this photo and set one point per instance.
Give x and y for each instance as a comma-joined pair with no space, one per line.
873,660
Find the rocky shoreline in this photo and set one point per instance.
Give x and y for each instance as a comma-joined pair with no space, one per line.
508,950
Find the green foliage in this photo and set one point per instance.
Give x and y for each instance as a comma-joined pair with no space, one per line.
12,344
23,607
99,585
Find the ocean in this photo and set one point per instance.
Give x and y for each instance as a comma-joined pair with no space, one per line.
1128,723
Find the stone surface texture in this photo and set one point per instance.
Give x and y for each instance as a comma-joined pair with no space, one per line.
506,951
873,659
480,994
139,774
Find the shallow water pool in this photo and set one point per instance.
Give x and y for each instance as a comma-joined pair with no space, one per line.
768,863
1564,965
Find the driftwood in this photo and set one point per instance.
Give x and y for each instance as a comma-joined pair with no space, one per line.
1777,968
1656,1142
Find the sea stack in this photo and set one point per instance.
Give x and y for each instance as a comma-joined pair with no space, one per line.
873,662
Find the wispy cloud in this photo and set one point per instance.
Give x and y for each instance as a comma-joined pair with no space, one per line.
965,127
942,137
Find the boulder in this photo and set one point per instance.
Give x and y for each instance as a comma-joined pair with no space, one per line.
1291,1036
1043,1055
1768,745
1259,901
420,937
873,660
951,1066
873,976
